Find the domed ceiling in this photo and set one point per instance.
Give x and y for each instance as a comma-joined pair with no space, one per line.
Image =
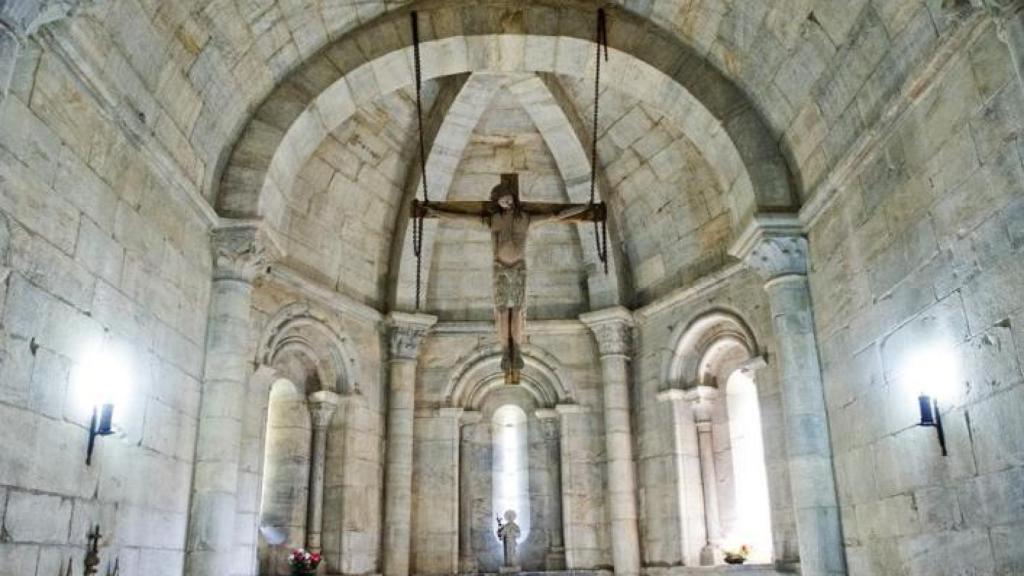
668,214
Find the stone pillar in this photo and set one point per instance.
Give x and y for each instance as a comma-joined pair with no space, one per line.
406,332
775,248
688,481
322,406
552,442
613,329
467,430
572,419
241,250
701,400
453,425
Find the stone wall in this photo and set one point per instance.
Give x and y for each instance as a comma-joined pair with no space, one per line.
922,250
98,256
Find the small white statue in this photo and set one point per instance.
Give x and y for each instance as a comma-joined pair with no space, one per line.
508,533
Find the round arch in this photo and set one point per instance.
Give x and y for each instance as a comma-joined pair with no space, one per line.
697,347
649,63
480,373
301,331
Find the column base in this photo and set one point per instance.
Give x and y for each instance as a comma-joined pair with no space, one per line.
555,559
510,569
710,556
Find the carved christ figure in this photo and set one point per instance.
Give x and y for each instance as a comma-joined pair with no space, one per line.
509,221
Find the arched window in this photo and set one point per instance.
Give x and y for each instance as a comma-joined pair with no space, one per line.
753,512
285,475
510,466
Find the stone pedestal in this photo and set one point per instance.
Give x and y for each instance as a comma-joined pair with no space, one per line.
613,330
406,333
776,249
240,252
322,406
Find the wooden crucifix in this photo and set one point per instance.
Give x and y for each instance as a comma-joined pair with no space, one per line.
509,221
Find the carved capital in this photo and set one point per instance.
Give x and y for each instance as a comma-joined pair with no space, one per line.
406,333
613,330
702,402
25,17
773,246
549,422
995,8
322,406
241,250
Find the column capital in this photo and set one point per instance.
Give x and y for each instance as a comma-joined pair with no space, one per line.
613,329
25,17
773,245
242,248
702,401
671,395
566,409
406,333
322,406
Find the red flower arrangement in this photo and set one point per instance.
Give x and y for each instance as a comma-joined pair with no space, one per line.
303,562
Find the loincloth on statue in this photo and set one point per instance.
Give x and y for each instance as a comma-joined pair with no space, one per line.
509,285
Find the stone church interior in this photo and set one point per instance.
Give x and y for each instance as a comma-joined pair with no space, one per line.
439,287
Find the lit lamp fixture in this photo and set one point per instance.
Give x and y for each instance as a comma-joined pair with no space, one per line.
102,382
934,371
99,426
930,416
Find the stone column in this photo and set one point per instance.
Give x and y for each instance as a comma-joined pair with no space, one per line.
701,400
613,329
688,482
775,248
552,442
571,418
241,250
406,332
322,406
467,429
453,418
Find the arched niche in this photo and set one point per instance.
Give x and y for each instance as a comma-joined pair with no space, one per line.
533,472
711,370
302,359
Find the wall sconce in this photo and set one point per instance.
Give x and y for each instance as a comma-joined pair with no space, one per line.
934,371
100,425
930,416
102,382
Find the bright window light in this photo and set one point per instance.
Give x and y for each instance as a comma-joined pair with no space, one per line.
753,509
510,473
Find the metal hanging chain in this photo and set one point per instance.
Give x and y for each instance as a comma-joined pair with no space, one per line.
417,223
600,230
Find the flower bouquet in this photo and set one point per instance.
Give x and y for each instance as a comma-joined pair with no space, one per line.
303,562
737,556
